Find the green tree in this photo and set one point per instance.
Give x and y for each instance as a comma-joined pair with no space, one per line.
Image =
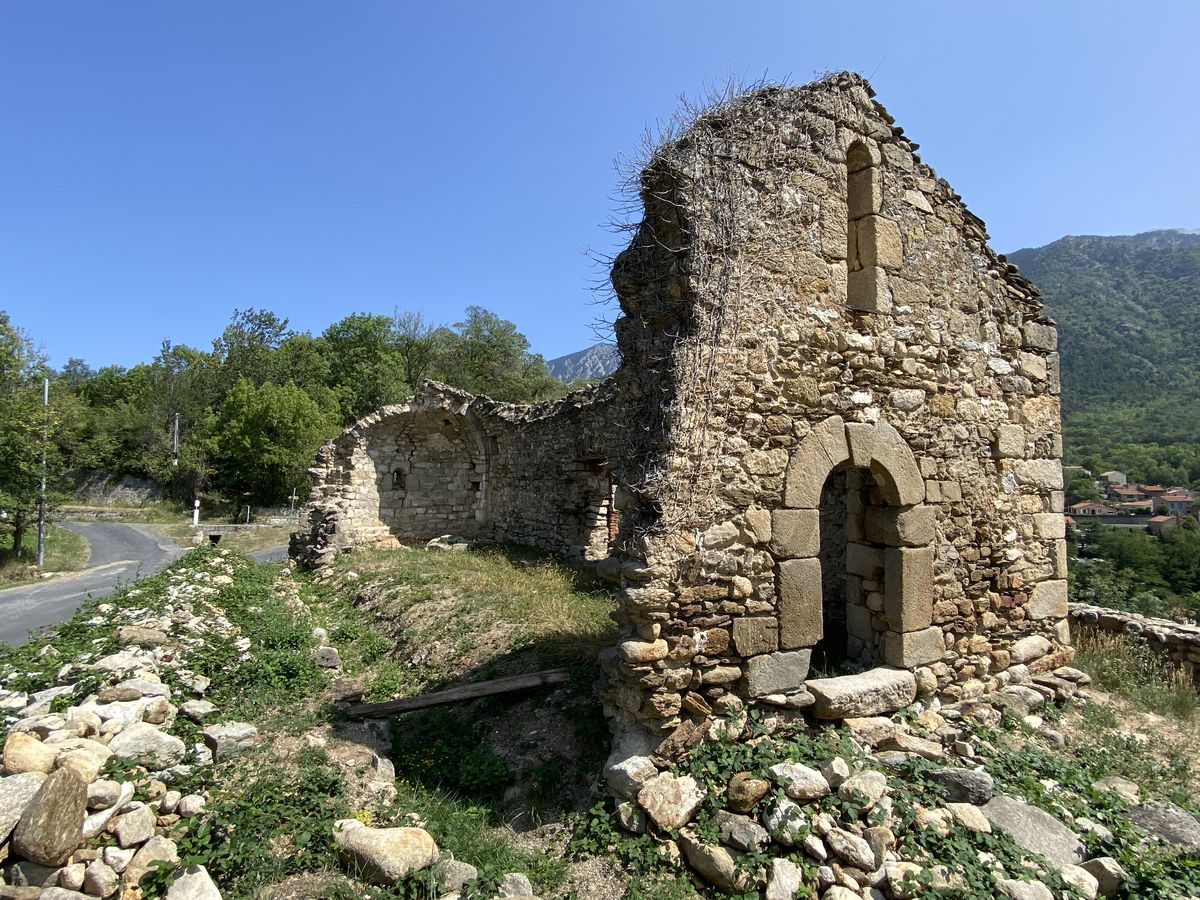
23,420
488,355
263,438
365,364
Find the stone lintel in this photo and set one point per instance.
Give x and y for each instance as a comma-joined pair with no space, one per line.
875,692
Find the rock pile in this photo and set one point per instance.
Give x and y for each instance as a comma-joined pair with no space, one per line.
771,827
56,804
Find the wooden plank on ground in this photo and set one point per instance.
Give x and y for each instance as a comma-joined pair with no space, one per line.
460,694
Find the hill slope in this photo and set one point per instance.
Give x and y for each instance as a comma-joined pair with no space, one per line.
597,361
1128,309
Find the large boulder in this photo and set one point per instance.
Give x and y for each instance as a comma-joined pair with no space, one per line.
52,825
383,855
15,793
148,745
1167,823
1035,830
25,753
871,693
193,883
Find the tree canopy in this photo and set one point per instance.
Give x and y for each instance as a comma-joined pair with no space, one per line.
253,409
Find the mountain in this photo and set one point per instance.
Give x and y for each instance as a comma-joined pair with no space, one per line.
1128,310
597,361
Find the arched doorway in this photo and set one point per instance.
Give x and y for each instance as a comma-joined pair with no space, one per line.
853,544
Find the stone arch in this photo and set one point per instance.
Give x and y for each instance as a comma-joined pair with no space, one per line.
889,546
422,471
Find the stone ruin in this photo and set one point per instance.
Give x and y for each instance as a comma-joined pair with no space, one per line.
827,472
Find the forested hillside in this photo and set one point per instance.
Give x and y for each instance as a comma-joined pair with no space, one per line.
1128,310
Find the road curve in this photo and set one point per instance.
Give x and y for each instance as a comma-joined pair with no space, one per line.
119,554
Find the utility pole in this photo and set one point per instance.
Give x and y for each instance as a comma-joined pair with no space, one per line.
292,506
42,498
175,459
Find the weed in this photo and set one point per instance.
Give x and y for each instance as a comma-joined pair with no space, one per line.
1126,665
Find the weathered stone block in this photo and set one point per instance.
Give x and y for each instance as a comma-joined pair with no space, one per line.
871,693
800,623
900,526
863,559
1047,599
1010,442
913,648
1050,525
867,290
1029,648
777,673
879,243
1045,474
795,533
895,468
1039,336
752,636
824,448
908,588
865,194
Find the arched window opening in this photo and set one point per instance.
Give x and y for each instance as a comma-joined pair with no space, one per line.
866,283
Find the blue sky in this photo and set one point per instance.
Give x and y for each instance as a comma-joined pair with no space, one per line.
162,164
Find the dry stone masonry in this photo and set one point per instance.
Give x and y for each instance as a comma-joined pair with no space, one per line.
828,469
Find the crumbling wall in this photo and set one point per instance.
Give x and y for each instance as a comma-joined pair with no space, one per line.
833,308
447,462
806,308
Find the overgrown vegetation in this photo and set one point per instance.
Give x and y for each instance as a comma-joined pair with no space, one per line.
1128,666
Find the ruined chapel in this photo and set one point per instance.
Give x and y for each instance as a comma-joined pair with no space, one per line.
827,472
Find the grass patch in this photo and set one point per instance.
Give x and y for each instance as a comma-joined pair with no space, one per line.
444,616
66,551
245,540
265,824
1126,665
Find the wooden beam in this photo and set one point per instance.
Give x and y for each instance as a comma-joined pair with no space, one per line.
460,694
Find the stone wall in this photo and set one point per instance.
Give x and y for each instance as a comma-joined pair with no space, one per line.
1176,641
447,462
811,320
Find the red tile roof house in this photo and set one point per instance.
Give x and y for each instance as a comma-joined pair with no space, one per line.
1113,477
1125,492
1159,524
1176,502
1088,508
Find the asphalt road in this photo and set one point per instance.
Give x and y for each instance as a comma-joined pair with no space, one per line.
119,554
